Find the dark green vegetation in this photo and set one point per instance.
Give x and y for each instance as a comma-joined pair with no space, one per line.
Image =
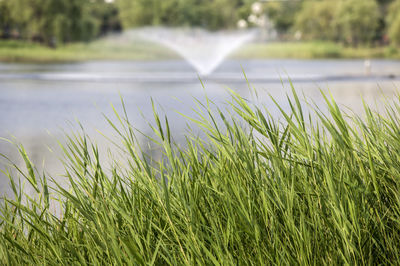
393,22
351,22
56,21
211,14
319,189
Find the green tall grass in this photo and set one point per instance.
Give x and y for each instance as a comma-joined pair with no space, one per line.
320,188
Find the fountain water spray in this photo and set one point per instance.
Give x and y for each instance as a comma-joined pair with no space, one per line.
204,50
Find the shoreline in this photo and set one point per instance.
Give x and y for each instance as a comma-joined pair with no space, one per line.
104,50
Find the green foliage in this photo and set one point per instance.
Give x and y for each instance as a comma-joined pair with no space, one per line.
394,31
5,18
351,21
319,189
212,14
357,20
54,21
283,14
393,21
316,20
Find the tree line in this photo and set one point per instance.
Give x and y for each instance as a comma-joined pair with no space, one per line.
57,21
352,22
211,14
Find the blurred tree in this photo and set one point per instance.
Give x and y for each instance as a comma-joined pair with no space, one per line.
106,13
212,14
135,12
53,21
393,22
283,14
316,20
5,19
357,21
19,15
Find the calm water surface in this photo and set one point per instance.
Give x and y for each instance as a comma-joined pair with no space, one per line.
38,101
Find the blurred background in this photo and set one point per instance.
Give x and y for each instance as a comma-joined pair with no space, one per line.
356,23
68,60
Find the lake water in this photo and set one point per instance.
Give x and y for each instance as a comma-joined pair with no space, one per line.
38,102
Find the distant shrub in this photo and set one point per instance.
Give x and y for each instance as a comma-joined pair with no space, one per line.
393,22
350,21
315,20
357,21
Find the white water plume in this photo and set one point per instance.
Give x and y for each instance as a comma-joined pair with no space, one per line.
203,49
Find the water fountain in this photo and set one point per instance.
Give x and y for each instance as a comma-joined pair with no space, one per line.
203,49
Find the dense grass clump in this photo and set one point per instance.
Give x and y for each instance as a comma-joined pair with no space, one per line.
310,189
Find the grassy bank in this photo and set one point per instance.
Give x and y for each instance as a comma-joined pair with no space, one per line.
109,49
16,51
314,50
320,190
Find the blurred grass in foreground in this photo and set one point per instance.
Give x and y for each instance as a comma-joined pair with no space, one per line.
112,49
319,189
